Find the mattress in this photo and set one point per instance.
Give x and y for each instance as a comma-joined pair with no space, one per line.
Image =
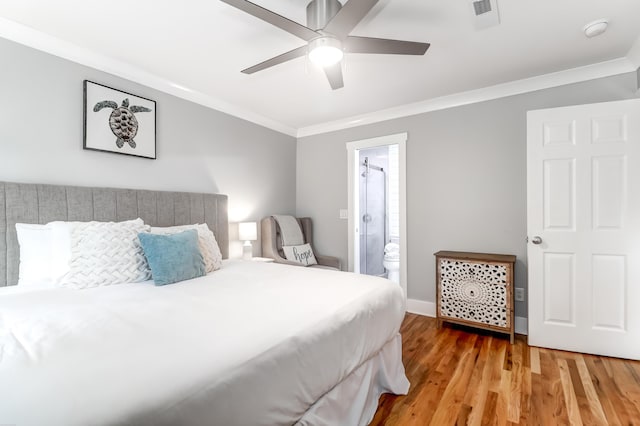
251,344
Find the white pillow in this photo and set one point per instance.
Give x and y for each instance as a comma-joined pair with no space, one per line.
35,253
302,254
206,243
104,253
61,247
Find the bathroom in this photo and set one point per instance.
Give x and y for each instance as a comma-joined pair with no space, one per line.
379,211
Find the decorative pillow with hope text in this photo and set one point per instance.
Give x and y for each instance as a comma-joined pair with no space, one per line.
301,254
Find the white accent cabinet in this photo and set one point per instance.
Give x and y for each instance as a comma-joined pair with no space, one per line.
476,289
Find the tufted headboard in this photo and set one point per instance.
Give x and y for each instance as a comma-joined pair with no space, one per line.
31,203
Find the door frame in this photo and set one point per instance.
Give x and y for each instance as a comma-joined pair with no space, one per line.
353,184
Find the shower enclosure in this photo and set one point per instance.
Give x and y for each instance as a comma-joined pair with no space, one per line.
373,213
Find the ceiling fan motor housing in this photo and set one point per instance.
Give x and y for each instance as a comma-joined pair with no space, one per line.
320,12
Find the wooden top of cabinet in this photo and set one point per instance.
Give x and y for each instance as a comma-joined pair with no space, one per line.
489,257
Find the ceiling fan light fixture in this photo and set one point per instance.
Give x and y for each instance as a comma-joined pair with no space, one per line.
325,51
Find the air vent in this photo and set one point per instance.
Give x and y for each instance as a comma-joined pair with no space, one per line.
482,6
485,13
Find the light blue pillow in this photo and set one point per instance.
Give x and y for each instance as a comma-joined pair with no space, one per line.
173,258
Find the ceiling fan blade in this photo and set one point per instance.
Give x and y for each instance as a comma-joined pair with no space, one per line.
274,19
292,54
334,75
348,17
383,45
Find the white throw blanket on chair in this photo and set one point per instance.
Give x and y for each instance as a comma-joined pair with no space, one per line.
289,230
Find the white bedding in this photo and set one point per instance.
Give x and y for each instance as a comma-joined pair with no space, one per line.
250,344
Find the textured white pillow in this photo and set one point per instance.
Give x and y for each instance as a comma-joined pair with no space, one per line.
302,254
35,253
206,243
105,253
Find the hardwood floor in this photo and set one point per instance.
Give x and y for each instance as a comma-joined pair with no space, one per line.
461,377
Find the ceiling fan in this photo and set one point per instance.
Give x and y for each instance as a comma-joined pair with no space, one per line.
327,35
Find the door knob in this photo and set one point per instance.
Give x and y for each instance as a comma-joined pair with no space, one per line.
536,240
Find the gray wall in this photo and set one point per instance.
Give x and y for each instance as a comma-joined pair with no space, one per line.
466,178
198,149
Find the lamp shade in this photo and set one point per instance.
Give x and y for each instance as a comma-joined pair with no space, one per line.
247,231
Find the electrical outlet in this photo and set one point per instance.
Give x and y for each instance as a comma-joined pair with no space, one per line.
343,213
519,294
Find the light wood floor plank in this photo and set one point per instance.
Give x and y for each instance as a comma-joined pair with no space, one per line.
463,415
553,397
525,399
535,360
590,392
460,376
607,367
489,415
502,405
477,396
605,390
573,411
497,362
537,400
448,409
624,379
514,393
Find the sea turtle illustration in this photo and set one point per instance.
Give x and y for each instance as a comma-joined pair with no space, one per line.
122,121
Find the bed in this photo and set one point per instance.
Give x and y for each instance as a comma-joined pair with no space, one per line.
250,344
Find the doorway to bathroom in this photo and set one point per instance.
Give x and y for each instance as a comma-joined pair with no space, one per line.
377,207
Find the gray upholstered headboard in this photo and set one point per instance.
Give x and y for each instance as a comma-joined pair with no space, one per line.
30,203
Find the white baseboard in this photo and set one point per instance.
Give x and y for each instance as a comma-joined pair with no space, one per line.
428,309
420,307
522,326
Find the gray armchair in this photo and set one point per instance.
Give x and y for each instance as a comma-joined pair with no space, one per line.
272,243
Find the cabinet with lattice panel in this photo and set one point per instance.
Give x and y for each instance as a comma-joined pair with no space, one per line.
475,289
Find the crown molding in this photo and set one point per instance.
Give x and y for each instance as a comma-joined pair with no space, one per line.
560,78
634,53
30,37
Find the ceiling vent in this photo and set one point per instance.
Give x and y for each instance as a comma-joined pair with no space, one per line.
485,13
482,6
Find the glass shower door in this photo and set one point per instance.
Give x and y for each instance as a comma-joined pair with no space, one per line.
373,205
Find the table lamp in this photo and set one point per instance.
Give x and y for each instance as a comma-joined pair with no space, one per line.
247,232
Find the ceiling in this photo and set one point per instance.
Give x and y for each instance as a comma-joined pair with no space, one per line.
201,46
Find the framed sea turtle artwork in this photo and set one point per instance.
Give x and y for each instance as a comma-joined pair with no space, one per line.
117,121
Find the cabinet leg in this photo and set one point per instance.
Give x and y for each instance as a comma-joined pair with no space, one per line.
511,338
439,324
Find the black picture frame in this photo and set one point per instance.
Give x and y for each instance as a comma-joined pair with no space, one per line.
130,127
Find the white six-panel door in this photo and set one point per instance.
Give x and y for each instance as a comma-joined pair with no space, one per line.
583,207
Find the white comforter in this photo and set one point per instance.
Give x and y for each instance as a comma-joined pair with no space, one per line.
251,344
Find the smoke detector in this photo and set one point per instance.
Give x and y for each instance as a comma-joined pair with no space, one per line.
485,13
595,28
